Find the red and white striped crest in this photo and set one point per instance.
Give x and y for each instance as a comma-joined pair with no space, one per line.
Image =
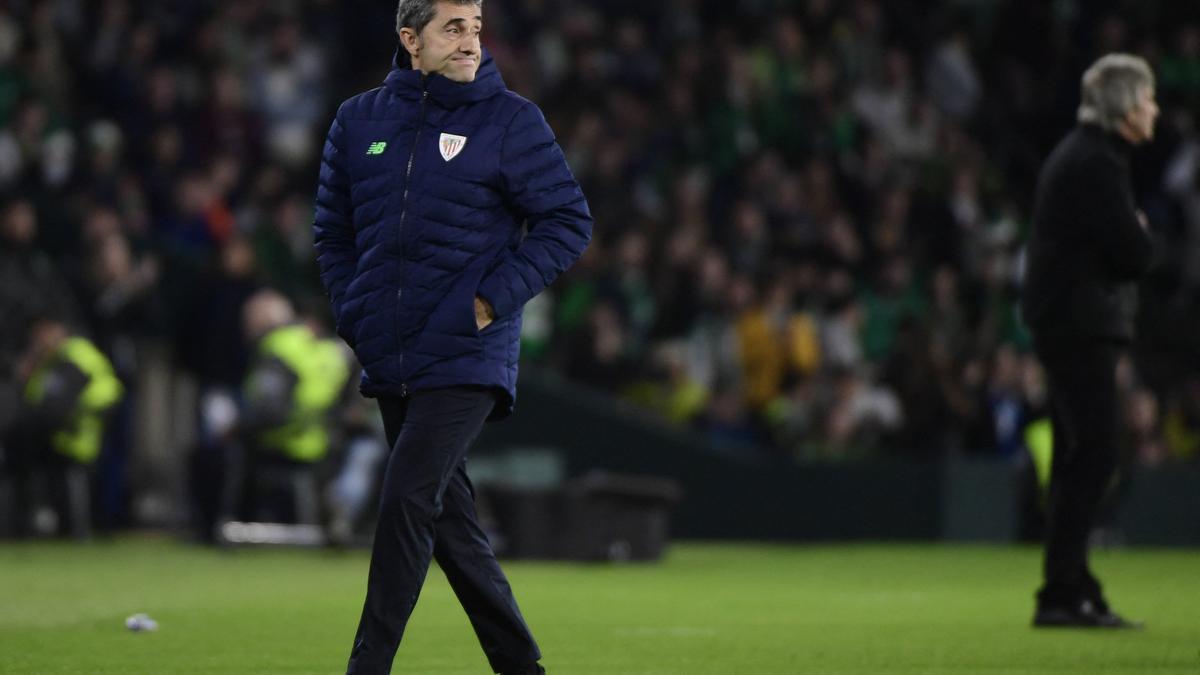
451,145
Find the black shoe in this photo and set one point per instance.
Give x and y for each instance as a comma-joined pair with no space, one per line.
1084,614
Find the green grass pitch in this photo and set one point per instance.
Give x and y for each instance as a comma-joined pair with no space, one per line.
744,609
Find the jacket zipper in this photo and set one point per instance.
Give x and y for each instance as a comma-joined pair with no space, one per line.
400,230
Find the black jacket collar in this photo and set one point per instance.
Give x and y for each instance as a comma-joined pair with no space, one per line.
1112,139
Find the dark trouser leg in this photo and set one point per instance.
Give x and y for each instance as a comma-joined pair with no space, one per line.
78,481
430,433
234,482
464,554
69,487
1082,379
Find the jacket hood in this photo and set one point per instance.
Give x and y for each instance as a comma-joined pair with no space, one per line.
406,82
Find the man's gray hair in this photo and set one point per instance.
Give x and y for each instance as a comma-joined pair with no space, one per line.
1109,89
416,14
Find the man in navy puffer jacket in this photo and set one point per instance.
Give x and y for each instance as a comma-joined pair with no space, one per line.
427,187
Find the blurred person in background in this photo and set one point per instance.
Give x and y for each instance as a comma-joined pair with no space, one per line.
425,186
599,350
68,386
30,287
211,324
117,287
1005,404
354,479
287,81
1143,428
293,385
914,373
1088,247
30,284
858,415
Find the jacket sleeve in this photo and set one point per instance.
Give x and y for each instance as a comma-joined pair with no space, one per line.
1126,248
539,185
333,230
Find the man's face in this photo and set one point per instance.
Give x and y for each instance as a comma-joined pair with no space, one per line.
1140,120
449,44
45,337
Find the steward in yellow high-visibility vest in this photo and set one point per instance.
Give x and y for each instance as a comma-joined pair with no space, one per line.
294,384
67,387
70,389
296,380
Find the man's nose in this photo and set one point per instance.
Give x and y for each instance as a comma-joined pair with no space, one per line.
469,45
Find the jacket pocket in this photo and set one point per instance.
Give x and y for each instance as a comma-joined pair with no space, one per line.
450,331
467,307
455,313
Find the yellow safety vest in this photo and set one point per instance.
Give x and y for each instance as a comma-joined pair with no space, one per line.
82,438
321,373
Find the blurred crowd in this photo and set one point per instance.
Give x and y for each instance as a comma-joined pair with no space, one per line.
809,213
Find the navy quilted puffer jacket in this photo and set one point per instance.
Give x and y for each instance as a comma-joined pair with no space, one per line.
432,192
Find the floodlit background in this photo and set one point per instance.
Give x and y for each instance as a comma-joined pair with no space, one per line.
796,321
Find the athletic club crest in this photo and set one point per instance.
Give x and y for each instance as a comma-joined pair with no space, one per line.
451,145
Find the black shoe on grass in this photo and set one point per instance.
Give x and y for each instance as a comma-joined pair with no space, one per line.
1084,614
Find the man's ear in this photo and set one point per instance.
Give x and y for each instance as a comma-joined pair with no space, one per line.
411,41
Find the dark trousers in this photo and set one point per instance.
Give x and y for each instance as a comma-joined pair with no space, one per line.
427,510
262,485
1085,417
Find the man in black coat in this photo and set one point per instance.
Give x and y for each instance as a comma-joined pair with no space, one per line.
1088,247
